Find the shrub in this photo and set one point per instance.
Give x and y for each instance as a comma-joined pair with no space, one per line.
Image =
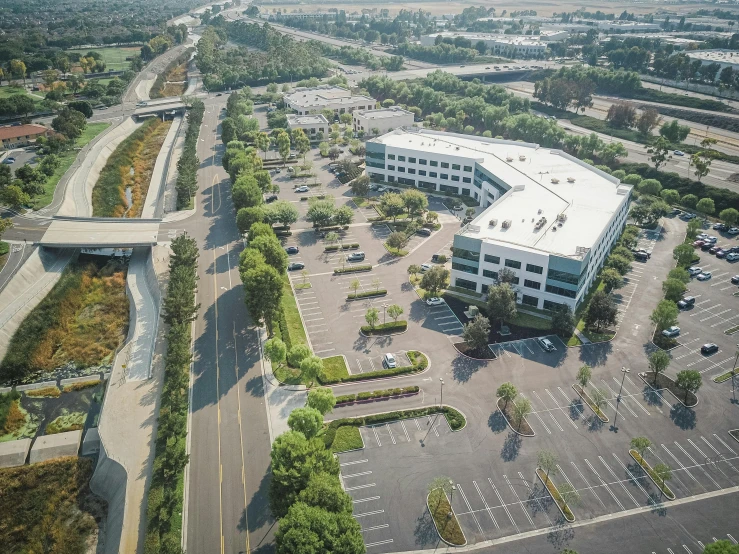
385,328
352,269
46,392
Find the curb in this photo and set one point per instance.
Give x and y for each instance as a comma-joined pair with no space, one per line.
376,295
403,418
385,378
455,517
641,465
554,499
580,394
646,382
473,358
385,334
376,399
511,426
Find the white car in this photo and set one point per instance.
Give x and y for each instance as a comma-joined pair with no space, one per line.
671,331
712,240
679,153
734,231
546,344
693,271
704,276
389,360
425,267
302,189
732,257
435,301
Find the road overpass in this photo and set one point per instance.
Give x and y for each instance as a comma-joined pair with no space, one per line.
69,232
166,108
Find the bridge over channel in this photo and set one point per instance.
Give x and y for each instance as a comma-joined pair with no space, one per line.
98,232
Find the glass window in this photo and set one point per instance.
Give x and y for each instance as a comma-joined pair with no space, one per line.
422,161
401,169
560,291
534,268
406,181
375,155
490,274
463,267
513,263
468,168
391,179
432,173
465,284
455,167
492,259
530,300
391,156
563,276
455,178
553,306
532,284
484,288
411,160
434,163
445,165
444,176
422,172
466,254
391,167
466,180
411,170
401,158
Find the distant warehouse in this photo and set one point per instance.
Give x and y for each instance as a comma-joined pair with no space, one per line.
725,58
549,217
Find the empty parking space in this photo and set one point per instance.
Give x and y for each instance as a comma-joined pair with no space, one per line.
446,321
316,324
377,363
531,349
415,430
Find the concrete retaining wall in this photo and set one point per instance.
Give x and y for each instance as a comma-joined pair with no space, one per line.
5,390
48,447
83,379
14,453
34,386
153,205
109,482
91,442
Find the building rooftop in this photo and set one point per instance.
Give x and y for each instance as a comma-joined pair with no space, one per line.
545,183
718,56
15,131
321,95
383,113
316,119
508,39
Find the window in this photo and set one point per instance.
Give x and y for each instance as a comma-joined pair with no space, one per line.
375,155
530,300
455,178
561,291
391,167
391,156
401,158
401,169
390,179
449,188
490,274
465,268
466,180
484,288
422,161
445,165
455,167
465,284
532,284
411,170
553,306
445,176
563,277
432,173
534,269
370,163
468,169
434,163
492,259
411,160
422,172
466,254
405,181
513,263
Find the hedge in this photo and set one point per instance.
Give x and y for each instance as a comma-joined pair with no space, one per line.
343,399
352,269
335,247
367,294
385,328
419,360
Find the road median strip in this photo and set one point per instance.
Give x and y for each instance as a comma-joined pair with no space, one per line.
445,520
589,401
556,495
652,474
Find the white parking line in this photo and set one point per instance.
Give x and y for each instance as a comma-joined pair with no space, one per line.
697,465
503,504
537,499
357,474
369,513
368,485
724,444
405,431
378,543
354,462
523,508
550,413
464,497
368,499
686,470
485,503
610,470
567,417
603,484
392,437
592,489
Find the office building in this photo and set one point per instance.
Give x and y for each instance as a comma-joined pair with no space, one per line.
313,100
381,121
311,124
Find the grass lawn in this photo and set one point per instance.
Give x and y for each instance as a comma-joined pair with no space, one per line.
347,438
114,56
335,367
292,315
448,527
532,321
395,251
66,160
4,251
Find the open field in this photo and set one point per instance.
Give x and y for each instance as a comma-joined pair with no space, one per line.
65,162
82,321
124,181
48,507
114,56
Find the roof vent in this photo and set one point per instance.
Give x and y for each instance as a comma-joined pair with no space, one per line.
570,179
521,158
509,158
555,180
506,224
493,222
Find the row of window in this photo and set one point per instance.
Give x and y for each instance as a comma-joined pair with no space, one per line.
564,277
561,292
421,172
526,299
432,163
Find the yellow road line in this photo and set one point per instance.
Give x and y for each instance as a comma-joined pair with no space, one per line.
218,400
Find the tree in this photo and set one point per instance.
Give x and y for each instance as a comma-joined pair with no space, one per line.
343,215
501,304
650,186
647,121
394,311
321,212
305,420
611,278
414,269
660,152
658,362
706,206
689,200
310,369
261,141
601,311
334,153
396,240
679,273
673,289
723,546
275,351
69,123
308,529
569,495
563,320
246,192
298,353
246,217
49,164
443,483
354,285
283,145
434,280
670,196
325,492
321,399
283,212
684,254
621,115
689,380
414,201
273,252
372,317
612,151
598,396
476,333
262,293
640,444
302,142
521,408
507,392
392,204
663,473
674,132
702,163
664,315
360,186
18,69
583,375
547,462
730,216
294,460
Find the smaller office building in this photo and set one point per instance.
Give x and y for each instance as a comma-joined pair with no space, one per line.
515,46
307,101
18,136
381,121
724,58
311,124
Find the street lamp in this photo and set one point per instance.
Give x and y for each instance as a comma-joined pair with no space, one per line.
453,488
624,370
441,396
384,307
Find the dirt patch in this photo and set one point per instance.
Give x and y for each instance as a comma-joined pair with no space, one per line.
507,410
664,382
480,354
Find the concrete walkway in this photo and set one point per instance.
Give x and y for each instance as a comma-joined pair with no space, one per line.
162,167
582,337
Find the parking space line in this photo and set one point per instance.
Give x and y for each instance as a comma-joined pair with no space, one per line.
433,427
592,489
697,465
503,504
677,478
577,407
485,503
631,476
405,431
376,436
685,469
610,470
712,462
732,538
392,438
540,420
369,513
368,499
603,483
360,474
523,508
368,485
621,399
716,364
608,401
725,445
375,527
629,395
354,462
537,499
550,413
378,543
568,418
474,516
718,454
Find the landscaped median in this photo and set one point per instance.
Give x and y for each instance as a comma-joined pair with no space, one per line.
363,397
724,376
589,401
659,483
389,328
352,269
686,398
366,294
445,519
555,494
335,247
508,410
418,359
455,418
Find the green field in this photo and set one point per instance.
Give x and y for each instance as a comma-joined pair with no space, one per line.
114,56
67,159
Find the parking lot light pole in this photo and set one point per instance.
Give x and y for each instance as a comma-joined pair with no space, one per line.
624,370
733,375
453,488
384,307
441,396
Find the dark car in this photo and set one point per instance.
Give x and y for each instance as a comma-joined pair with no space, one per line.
713,249
721,253
295,265
706,247
721,226
292,249
686,302
734,249
735,279
270,198
709,348
424,232
642,255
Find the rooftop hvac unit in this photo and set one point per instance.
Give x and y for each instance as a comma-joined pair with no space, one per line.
555,180
506,224
509,158
570,179
493,222
562,217
521,158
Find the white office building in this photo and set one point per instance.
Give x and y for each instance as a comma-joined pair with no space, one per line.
312,100
506,45
725,58
381,121
549,217
311,124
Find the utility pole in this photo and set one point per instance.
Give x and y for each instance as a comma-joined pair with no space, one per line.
624,370
733,375
441,395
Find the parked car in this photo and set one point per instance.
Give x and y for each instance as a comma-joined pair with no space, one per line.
355,257
424,232
389,360
735,279
686,302
425,267
9,160
302,189
693,271
709,348
679,153
720,226
732,257
435,301
292,249
734,231
707,246
705,276
733,249
295,265
642,255
698,243
546,344
713,249
270,198
721,253
711,239
671,331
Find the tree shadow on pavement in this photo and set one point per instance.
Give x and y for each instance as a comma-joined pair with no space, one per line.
683,417
425,532
511,447
464,368
652,397
594,423
560,535
595,354
257,511
539,499
497,422
576,408
658,508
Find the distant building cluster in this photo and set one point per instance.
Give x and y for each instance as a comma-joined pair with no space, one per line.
18,136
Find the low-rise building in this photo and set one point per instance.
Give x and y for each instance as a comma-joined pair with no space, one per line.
312,100
725,58
18,136
548,217
381,121
311,124
506,45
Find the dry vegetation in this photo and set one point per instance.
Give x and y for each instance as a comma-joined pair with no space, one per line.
138,153
46,507
82,320
74,421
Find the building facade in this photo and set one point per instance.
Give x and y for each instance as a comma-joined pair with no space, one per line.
515,46
311,124
307,101
548,217
381,121
18,136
